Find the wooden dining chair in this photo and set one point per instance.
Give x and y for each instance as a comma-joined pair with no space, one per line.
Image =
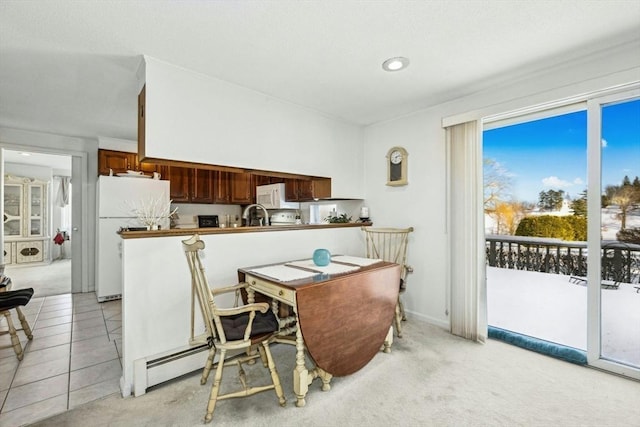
12,300
390,244
239,329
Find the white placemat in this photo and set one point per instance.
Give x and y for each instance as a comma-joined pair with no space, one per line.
362,262
332,268
283,273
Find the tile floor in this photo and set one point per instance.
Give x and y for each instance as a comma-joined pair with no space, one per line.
74,357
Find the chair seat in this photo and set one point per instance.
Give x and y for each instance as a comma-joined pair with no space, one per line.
12,299
234,326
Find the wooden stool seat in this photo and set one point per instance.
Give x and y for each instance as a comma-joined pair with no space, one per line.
13,300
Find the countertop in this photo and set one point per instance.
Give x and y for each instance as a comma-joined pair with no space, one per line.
233,230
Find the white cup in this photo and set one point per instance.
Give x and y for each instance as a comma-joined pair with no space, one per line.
156,175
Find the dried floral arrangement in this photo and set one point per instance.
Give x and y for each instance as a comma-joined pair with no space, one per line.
152,211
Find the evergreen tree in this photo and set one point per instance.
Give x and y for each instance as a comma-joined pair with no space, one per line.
579,205
550,200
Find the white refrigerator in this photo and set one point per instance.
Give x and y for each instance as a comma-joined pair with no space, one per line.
117,196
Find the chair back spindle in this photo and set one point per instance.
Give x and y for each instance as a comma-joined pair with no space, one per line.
390,244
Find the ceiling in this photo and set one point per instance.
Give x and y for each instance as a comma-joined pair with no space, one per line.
69,67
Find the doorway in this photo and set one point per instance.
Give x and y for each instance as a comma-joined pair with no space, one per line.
37,233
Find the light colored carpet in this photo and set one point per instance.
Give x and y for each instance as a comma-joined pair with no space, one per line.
431,378
46,280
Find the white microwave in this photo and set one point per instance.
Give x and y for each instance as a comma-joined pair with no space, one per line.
272,196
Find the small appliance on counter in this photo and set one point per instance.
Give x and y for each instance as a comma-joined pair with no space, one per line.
208,221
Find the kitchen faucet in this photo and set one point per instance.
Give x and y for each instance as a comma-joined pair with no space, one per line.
245,213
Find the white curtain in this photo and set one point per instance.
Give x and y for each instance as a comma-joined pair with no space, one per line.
468,290
62,197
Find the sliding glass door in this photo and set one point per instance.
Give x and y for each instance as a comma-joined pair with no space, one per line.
614,233
582,294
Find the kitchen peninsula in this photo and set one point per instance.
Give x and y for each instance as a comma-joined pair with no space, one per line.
156,295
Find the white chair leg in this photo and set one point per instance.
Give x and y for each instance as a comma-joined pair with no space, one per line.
215,388
398,321
15,342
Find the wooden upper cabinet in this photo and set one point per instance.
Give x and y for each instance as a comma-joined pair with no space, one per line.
148,168
291,190
241,188
122,161
118,161
202,186
221,187
189,185
260,180
178,183
232,188
301,190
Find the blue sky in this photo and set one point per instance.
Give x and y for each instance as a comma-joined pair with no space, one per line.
552,153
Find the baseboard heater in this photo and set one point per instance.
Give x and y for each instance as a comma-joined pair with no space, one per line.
156,369
109,297
153,370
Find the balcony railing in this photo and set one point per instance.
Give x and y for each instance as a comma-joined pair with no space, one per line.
620,260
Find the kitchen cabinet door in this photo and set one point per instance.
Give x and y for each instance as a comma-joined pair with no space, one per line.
291,190
301,190
118,161
222,187
179,184
202,186
314,189
241,184
261,180
148,168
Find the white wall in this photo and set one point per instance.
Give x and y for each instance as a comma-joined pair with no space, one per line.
196,118
422,204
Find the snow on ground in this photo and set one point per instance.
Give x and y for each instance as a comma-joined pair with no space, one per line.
550,307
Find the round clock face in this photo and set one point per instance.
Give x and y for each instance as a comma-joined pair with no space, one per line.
396,157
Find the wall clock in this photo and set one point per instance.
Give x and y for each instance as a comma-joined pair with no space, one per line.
397,166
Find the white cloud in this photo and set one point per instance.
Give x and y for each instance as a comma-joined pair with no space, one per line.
604,143
555,182
578,181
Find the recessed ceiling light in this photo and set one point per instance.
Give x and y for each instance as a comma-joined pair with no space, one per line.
395,64
25,154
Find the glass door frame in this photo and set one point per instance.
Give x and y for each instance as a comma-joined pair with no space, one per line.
594,211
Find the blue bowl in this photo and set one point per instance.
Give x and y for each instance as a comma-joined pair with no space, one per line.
321,257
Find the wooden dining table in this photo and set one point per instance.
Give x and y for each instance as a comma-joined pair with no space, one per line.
341,314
